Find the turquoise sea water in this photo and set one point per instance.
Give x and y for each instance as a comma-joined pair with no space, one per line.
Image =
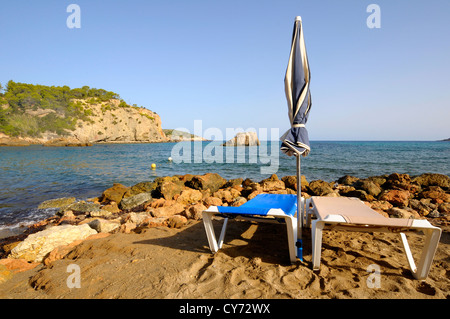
30,175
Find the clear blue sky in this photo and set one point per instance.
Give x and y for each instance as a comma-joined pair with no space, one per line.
223,61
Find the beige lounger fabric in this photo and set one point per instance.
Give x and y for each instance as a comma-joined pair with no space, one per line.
354,211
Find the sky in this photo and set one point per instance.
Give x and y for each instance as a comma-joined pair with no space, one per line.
223,62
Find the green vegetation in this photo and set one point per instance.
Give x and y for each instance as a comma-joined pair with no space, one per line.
29,110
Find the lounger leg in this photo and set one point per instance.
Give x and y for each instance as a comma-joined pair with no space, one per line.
222,233
316,238
207,222
212,241
291,226
432,237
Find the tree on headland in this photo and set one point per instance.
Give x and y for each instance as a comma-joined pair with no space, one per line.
21,98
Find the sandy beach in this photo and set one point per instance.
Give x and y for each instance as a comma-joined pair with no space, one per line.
156,248
173,263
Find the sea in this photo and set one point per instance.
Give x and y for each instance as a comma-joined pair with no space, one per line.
30,175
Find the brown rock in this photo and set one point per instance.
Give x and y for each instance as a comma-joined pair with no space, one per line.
444,208
167,211
224,195
347,180
381,205
436,194
126,227
190,196
114,193
398,181
212,201
176,221
368,186
234,182
194,211
168,187
320,188
142,187
274,185
112,207
426,180
396,212
396,197
211,181
290,181
239,201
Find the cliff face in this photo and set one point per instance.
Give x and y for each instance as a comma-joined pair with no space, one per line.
109,121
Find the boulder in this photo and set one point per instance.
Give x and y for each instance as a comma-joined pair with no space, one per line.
320,188
428,179
396,197
138,218
168,187
211,181
421,207
176,221
82,207
212,201
114,193
368,186
396,212
273,183
103,225
398,181
224,195
239,201
436,194
135,202
358,193
36,246
190,196
243,139
112,207
234,182
171,209
444,208
290,181
347,180
57,203
142,187
381,205
194,211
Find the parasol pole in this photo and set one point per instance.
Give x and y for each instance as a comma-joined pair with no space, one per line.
299,243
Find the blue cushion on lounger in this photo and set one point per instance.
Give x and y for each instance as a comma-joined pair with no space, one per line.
262,203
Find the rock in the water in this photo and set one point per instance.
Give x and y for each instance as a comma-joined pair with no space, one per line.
243,139
57,203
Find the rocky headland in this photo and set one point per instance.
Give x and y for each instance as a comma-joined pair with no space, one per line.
60,116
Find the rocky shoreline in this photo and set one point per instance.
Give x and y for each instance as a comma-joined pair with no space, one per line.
174,201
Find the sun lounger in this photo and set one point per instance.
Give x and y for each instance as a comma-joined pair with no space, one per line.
265,208
351,214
